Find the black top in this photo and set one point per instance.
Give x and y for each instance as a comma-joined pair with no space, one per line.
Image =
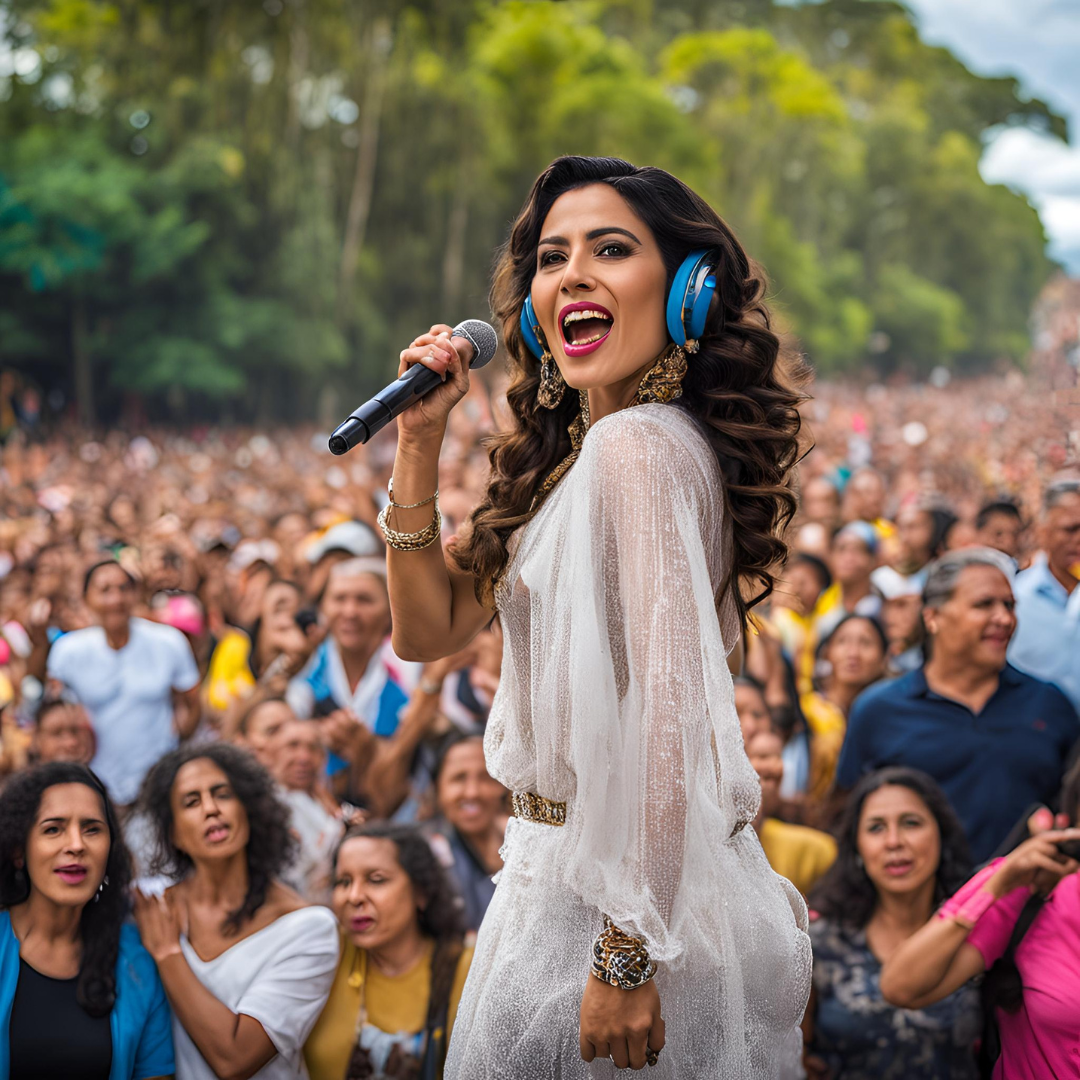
51,1035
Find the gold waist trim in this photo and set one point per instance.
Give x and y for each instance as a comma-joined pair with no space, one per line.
536,808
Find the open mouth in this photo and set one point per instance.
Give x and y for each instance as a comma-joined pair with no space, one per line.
361,924
216,833
72,875
584,326
898,868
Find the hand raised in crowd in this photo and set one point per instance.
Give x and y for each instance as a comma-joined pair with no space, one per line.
1037,863
343,734
159,922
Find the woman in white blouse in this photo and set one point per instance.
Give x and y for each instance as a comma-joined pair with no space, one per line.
634,503
246,964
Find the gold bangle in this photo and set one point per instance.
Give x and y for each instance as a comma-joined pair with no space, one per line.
411,541
620,959
408,506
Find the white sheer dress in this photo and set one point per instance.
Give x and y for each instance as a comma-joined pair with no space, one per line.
616,698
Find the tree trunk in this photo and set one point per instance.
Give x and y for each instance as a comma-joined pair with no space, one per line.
82,370
363,185
453,269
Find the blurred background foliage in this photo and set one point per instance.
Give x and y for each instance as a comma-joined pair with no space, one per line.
231,209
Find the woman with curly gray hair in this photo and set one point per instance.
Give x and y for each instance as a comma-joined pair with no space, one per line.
246,965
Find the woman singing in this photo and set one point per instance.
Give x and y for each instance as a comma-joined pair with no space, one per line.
644,479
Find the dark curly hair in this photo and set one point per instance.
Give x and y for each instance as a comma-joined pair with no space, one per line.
438,913
846,894
99,925
271,845
738,385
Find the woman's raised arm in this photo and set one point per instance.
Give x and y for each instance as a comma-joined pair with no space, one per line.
434,606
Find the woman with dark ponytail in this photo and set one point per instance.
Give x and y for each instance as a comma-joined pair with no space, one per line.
79,995
403,965
633,515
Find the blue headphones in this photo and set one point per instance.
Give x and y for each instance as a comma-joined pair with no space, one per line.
688,302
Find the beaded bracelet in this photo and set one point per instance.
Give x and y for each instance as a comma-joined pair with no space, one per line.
620,959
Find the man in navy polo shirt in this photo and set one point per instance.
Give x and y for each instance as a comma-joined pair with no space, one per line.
995,739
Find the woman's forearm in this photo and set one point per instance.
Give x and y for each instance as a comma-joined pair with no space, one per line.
234,1046
930,965
433,614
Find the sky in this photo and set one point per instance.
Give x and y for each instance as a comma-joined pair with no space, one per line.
1038,42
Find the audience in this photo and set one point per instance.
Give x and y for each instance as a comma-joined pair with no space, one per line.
1047,640
1033,993
79,995
395,995
248,568
996,739
137,680
998,525
851,658
901,853
246,965
62,732
796,852
471,825
299,763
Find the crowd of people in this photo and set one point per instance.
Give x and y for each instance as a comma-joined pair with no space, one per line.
240,837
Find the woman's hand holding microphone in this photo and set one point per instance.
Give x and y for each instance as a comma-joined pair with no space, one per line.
423,425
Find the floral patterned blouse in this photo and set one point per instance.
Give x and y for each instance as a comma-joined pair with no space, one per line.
860,1035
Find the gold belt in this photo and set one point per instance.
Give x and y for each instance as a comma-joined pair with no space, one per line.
530,807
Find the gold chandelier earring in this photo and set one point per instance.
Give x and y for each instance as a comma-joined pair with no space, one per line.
663,381
549,395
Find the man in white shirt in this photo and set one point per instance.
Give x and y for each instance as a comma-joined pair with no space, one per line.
137,679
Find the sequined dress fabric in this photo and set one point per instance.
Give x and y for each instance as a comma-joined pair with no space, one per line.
616,698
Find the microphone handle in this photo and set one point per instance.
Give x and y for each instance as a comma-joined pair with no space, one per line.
388,403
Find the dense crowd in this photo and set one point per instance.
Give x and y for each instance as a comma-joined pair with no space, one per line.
204,726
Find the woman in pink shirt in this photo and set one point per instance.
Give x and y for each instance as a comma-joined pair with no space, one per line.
1041,1039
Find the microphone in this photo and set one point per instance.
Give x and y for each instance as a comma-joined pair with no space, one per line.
375,414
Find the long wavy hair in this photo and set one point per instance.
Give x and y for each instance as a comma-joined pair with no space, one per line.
438,914
738,385
271,844
101,919
846,894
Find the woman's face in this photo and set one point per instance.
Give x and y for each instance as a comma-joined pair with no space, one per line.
68,845
262,728
856,654
600,288
753,715
898,840
468,797
765,751
209,820
373,897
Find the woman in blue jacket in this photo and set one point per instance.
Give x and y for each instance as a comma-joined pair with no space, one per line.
79,995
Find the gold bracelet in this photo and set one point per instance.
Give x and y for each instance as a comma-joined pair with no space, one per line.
408,506
620,959
410,541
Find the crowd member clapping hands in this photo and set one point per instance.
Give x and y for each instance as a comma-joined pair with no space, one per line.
246,964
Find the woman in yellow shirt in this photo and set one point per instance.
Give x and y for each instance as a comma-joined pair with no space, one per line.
403,965
854,656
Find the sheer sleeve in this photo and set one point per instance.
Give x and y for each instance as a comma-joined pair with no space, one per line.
662,782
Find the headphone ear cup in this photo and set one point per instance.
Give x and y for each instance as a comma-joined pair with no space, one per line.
691,292
530,329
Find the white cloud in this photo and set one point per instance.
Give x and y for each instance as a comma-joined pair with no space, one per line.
1048,172
1037,42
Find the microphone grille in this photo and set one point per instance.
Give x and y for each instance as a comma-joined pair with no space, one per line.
483,337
